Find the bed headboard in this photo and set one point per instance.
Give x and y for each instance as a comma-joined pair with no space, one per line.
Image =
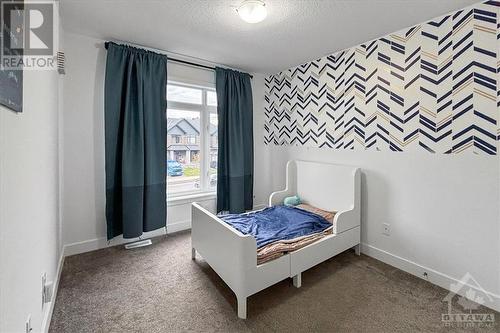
327,186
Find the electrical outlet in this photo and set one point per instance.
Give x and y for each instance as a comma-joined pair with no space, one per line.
46,290
386,229
28,324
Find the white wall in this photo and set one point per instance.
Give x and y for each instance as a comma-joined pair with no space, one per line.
262,157
84,225
443,209
29,193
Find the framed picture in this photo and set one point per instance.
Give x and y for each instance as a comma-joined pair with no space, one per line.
11,80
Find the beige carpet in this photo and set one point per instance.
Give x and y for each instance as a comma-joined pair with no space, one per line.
160,289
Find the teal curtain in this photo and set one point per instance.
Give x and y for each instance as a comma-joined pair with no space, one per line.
135,140
235,157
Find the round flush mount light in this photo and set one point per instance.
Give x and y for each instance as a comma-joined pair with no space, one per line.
252,11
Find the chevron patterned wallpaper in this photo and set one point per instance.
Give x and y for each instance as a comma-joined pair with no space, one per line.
432,87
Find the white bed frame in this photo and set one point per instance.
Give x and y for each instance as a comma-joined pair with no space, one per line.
234,255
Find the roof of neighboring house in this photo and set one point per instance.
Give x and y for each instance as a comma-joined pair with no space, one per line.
183,147
187,126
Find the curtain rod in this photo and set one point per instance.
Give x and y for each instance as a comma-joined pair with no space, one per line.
185,62
189,63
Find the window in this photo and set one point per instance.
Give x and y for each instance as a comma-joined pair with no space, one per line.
211,98
191,139
182,94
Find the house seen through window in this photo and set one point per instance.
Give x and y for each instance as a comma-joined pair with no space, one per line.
191,139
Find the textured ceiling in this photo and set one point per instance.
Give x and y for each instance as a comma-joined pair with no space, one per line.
294,32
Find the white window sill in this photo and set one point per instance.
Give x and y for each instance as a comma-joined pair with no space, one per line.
189,198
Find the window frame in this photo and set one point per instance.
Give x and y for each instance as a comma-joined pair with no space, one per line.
205,110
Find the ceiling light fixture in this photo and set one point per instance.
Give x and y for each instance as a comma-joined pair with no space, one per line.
252,11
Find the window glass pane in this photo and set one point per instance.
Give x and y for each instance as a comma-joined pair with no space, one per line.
184,94
213,151
183,151
211,98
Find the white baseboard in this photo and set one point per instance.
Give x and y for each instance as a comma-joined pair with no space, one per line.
55,287
101,243
440,279
178,226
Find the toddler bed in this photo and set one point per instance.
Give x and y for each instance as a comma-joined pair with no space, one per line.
281,229
249,263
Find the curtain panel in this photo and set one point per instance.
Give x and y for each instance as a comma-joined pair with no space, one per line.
235,130
135,140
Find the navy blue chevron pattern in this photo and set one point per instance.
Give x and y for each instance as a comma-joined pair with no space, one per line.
433,87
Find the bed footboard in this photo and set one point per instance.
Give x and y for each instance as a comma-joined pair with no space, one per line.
230,253
226,250
233,256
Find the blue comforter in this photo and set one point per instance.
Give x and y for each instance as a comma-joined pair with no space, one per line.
276,223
